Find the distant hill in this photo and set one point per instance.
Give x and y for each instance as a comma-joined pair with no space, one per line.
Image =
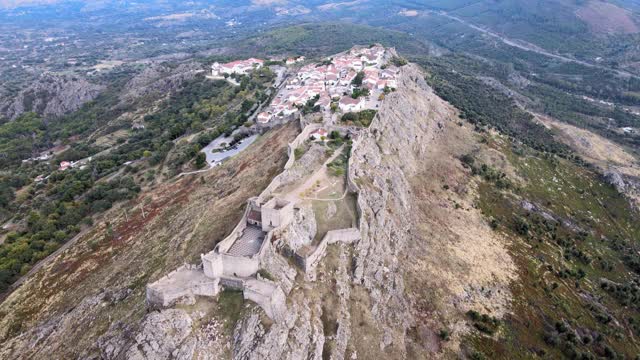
313,39
605,31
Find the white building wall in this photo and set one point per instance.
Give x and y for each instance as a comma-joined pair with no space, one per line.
239,266
217,265
185,282
212,265
270,219
273,218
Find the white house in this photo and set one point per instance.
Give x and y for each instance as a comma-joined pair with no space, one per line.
64,165
240,67
331,79
324,102
349,104
293,60
320,134
264,117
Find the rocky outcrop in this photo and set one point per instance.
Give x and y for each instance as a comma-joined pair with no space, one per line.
167,334
279,267
343,315
615,179
626,184
300,336
51,96
365,282
162,336
311,158
302,229
382,160
158,80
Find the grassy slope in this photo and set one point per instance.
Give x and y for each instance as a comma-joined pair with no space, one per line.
561,263
123,253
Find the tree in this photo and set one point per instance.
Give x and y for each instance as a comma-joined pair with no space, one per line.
6,195
398,61
358,92
247,104
201,160
197,126
357,81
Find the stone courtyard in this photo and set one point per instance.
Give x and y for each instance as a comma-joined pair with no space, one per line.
249,243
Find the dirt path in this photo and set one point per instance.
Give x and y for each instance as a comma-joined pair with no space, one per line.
344,194
319,175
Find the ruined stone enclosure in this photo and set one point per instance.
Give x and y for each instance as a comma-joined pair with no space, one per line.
296,217
232,264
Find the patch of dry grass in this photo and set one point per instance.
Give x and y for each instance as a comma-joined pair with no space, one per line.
455,261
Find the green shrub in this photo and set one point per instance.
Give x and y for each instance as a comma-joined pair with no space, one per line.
362,118
201,160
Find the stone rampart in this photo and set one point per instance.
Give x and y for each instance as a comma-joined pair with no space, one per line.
352,186
301,138
217,265
232,283
308,261
346,236
225,245
268,295
184,283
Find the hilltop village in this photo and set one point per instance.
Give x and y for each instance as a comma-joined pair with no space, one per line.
333,83
313,202
349,82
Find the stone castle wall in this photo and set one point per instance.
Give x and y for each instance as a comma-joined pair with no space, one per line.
184,283
299,140
309,262
225,245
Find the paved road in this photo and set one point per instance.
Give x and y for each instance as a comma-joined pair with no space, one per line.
215,157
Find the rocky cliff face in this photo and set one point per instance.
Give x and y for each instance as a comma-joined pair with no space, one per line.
51,96
383,160
158,80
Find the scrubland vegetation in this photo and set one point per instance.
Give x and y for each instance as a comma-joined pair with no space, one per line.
52,210
574,236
